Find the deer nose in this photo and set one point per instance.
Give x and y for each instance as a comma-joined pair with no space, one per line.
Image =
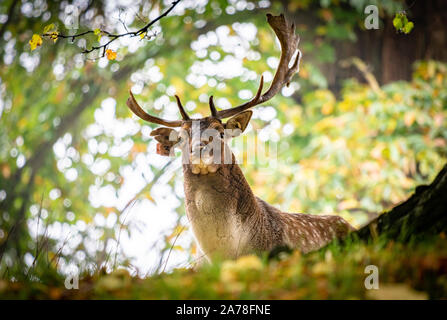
197,152
198,145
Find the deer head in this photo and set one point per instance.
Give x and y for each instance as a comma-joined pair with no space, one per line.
203,141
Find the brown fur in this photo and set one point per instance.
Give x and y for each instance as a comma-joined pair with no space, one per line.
228,220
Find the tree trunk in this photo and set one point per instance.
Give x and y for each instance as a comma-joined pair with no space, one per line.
389,54
424,213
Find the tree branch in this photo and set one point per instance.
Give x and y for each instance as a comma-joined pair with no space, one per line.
113,37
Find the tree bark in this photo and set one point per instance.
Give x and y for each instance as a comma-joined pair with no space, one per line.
388,53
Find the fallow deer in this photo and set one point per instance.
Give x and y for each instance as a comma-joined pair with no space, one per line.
227,219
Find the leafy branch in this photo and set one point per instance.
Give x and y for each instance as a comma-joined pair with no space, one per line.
51,32
401,23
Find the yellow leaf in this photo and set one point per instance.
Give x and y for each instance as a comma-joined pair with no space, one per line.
137,147
36,41
304,73
322,269
109,210
249,262
179,85
54,36
175,233
6,171
327,108
111,55
348,204
142,35
109,283
48,28
193,249
409,118
149,196
97,32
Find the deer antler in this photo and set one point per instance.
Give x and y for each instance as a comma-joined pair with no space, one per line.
289,45
135,107
180,107
213,107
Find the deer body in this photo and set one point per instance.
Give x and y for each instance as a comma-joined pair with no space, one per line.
219,208
227,219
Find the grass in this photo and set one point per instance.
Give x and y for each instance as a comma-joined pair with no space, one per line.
413,270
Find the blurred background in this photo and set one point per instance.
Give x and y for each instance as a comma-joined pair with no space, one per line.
81,187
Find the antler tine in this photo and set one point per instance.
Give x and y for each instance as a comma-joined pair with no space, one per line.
133,105
256,100
180,107
213,107
289,46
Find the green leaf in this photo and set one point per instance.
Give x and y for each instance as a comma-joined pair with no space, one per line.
397,22
48,28
401,23
404,19
408,27
97,32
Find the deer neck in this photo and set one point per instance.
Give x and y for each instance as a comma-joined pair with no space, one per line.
218,206
223,191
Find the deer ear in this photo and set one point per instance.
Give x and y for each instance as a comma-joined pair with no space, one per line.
162,131
239,121
167,139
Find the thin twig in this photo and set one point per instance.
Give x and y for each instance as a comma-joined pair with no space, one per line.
112,36
36,255
129,205
170,249
363,68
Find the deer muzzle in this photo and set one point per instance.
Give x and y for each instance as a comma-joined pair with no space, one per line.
202,160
